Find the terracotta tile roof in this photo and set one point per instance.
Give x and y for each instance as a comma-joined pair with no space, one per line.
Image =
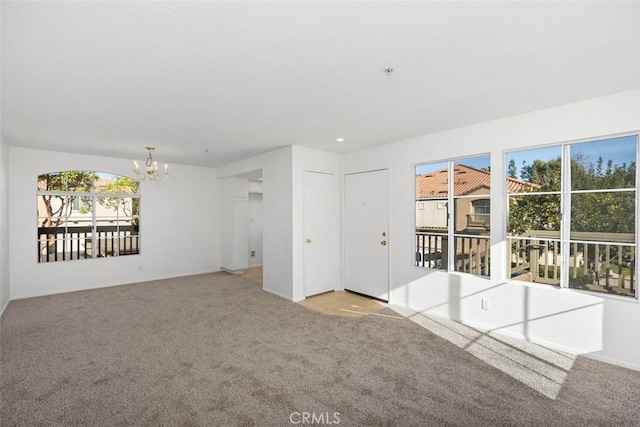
467,180
517,186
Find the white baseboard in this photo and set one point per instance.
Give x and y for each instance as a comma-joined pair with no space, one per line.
109,285
236,272
612,361
4,306
278,294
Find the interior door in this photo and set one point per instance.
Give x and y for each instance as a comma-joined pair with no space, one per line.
320,233
366,235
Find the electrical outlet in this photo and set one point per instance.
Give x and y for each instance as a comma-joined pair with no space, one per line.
486,304
253,254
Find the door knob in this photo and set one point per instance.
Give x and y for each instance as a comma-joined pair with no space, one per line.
384,234
383,243
308,240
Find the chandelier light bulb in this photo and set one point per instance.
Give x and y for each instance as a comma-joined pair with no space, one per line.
152,168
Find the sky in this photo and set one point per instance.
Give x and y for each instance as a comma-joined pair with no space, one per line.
620,150
476,162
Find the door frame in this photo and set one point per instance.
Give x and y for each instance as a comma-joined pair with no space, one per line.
389,234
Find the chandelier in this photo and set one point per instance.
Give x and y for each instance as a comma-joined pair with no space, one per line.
152,168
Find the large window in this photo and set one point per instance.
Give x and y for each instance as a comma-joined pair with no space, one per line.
86,214
572,215
453,215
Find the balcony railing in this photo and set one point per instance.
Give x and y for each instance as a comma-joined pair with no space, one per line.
69,243
600,262
432,250
471,254
603,262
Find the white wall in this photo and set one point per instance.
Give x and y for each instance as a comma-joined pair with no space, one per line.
283,206
4,214
179,227
255,229
4,225
607,327
277,216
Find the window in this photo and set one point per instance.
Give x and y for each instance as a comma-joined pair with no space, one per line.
481,213
86,214
572,215
481,207
457,240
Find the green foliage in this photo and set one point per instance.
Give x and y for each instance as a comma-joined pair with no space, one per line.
545,175
603,212
534,212
512,170
581,278
75,181
587,176
122,185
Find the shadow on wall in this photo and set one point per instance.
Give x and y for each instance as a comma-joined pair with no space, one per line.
455,297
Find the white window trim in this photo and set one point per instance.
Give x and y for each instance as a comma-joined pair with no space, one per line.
449,201
565,214
94,200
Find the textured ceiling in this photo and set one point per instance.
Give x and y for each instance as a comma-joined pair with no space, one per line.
242,78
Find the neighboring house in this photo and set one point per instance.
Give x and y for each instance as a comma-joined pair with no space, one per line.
471,213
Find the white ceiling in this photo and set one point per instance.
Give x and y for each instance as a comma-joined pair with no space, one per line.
242,78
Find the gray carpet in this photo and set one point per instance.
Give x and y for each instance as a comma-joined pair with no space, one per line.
215,350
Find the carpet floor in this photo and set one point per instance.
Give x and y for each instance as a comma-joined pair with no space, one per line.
215,350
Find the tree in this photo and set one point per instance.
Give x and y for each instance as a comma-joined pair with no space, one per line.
545,175
122,185
538,211
58,208
512,170
602,212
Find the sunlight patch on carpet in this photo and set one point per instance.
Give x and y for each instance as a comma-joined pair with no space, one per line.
538,367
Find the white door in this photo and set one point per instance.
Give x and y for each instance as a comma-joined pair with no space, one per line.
320,233
366,235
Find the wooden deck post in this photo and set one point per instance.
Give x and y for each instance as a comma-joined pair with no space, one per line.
533,253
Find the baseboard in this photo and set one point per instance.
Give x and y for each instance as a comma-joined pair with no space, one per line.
4,306
612,361
110,285
278,294
236,272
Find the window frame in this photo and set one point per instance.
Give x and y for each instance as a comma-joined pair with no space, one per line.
93,237
450,206
565,192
